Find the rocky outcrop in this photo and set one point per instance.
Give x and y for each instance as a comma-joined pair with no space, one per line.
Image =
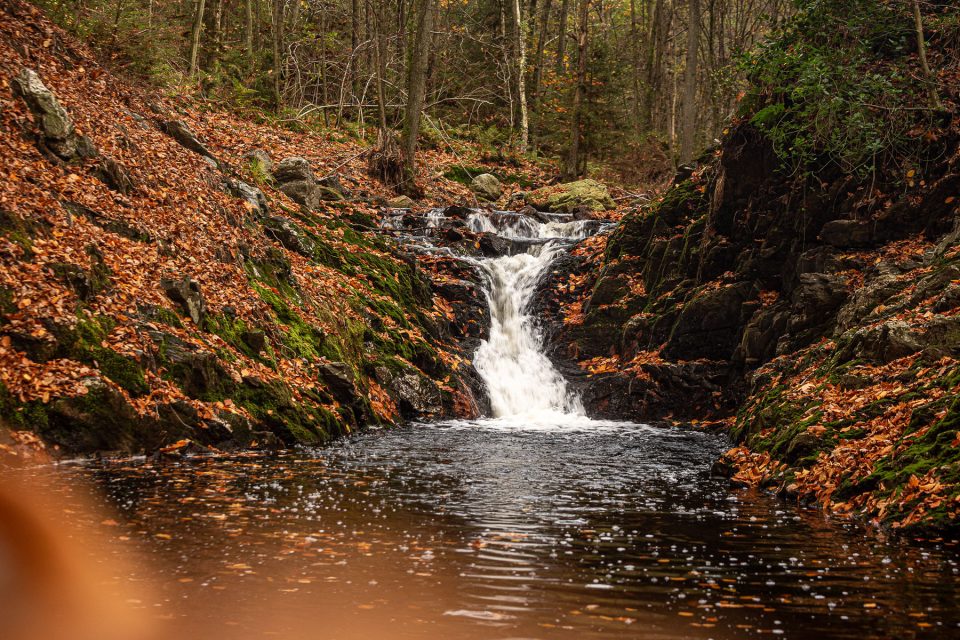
296,179
181,132
185,293
56,127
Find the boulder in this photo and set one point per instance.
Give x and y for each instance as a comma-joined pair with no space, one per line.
333,188
293,169
56,127
487,187
401,202
185,293
567,197
296,179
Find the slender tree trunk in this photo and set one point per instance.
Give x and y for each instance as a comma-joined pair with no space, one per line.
572,168
538,73
248,40
416,86
688,126
922,54
354,44
195,37
521,53
217,34
276,19
562,37
380,53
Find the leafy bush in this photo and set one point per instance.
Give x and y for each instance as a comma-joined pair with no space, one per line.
834,87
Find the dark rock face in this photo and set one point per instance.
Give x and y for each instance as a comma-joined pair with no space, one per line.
417,396
739,265
709,326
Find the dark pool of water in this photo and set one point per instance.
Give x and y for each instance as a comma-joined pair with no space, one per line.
486,531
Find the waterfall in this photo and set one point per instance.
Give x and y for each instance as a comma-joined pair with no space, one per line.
522,382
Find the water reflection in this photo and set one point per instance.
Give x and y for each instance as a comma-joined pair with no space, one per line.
473,530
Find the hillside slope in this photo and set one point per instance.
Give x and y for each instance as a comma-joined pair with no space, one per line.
165,276
804,278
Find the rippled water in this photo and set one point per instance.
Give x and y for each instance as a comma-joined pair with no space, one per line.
488,530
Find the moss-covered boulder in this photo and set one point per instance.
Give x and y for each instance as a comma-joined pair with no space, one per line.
570,196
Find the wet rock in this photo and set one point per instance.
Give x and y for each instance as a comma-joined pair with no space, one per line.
56,128
339,378
567,197
185,293
486,186
289,234
181,132
254,198
416,395
493,246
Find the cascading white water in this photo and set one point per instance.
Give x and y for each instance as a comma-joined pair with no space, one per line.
522,382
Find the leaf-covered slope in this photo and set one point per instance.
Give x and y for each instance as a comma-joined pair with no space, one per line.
146,296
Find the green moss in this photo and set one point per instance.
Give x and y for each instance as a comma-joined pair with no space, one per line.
21,416
84,343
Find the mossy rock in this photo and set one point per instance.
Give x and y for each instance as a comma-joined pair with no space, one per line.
570,196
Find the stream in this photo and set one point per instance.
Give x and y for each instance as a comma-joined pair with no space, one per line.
536,522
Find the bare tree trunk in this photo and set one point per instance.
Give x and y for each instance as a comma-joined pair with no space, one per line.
562,37
195,37
276,19
354,44
538,72
217,34
572,168
521,52
416,86
249,31
688,130
922,54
